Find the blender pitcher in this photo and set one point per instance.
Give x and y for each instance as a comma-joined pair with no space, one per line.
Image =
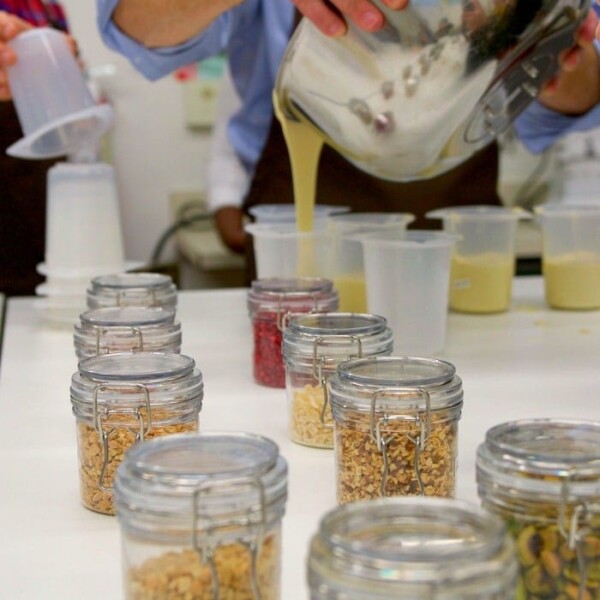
441,80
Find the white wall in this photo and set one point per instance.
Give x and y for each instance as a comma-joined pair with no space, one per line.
152,151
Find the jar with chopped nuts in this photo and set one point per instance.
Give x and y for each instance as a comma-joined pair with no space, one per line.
132,289
395,427
270,302
200,517
127,329
411,549
543,477
124,398
313,346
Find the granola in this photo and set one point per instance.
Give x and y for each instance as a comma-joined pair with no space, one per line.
183,576
305,418
360,464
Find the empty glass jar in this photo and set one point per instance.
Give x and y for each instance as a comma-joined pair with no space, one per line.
543,478
124,398
313,346
395,427
201,516
270,302
127,329
132,289
412,549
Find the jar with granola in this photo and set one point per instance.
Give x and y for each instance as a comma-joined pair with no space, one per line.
270,302
411,549
132,289
313,346
542,477
124,398
127,329
201,516
395,427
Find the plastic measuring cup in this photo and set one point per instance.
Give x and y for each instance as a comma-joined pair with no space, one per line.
283,251
346,263
571,255
286,213
83,227
483,262
56,110
407,276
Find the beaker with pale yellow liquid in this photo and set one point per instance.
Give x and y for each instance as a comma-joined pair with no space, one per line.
483,260
571,255
346,267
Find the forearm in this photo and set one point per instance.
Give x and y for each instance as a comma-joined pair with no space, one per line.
158,23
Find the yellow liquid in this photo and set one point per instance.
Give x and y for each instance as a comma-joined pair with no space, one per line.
572,281
481,284
304,149
352,291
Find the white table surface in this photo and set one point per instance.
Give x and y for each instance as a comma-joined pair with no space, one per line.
529,362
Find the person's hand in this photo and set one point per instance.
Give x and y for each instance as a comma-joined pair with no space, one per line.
330,16
229,221
576,87
10,27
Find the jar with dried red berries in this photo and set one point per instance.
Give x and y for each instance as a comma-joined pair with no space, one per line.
270,302
313,346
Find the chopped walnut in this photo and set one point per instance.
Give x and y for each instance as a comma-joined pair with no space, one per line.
121,436
360,464
305,418
183,576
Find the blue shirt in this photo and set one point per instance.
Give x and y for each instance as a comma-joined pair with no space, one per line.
255,35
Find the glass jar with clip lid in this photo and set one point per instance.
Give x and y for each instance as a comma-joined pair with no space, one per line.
127,329
200,517
411,549
270,302
124,398
543,477
313,346
132,289
395,427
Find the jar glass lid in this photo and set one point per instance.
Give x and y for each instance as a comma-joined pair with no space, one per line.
395,371
394,383
136,366
424,543
130,316
119,281
312,324
226,474
541,455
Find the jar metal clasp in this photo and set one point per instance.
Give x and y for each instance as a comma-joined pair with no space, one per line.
102,416
422,418
574,527
318,370
254,519
136,332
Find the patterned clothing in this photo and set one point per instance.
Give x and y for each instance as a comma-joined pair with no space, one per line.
37,12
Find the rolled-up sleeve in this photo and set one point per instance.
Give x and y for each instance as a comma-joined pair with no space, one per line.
155,63
539,127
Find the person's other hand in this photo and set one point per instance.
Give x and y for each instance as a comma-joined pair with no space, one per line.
576,87
229,221
330,16
10,27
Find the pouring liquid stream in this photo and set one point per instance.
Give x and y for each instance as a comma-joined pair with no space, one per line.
304,150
